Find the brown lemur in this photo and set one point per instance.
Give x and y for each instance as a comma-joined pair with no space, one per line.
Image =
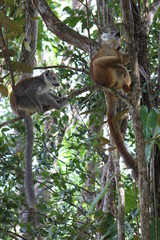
33,95
107,69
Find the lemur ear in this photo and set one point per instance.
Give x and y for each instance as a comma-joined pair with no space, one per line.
47,73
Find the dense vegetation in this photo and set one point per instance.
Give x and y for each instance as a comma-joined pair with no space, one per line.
71,147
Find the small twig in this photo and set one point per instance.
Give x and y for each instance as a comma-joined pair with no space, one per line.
99,29
82,90
88,29
5,76
99,24
136,206
10,121
14,234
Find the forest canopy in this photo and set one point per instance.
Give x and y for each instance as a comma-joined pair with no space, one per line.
82,186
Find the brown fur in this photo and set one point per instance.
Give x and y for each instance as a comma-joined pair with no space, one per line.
107,69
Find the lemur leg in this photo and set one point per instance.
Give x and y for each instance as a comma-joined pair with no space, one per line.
105,61
35,99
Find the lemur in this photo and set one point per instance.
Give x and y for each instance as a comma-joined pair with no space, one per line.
107,69
33,95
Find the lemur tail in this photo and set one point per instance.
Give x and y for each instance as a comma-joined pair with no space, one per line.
117,136
28,177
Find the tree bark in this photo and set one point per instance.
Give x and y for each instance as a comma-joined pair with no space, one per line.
61,30
121,198
29,46
137,123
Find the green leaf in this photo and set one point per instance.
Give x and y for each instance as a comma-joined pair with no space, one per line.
11,53
9,3
150,121
144,115
99,197
159,119
67,9
22,67
19,10
72,21
26,44
153,228
129,199
87,112
104,140
4,90
120,114
152,118
156,131
107,227
134,213
36,18
13,26
148,149
50,232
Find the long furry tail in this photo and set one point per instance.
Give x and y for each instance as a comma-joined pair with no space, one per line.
28,177
117,136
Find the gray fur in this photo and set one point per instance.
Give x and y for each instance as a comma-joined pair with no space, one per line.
28,177
33,95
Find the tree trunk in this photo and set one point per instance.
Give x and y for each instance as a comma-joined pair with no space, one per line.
27,56
137,123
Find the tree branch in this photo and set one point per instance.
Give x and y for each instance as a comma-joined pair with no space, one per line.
61,30
137,123
73,95
10,121
64,66
152,11
11,234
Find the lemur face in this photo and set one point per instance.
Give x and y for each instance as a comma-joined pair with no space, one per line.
51,77
112,39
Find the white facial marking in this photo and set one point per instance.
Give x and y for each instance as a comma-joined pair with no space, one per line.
111,40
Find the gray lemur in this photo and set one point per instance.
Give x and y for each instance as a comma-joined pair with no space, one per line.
33,95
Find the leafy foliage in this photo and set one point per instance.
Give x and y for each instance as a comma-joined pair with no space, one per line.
151,125
65,142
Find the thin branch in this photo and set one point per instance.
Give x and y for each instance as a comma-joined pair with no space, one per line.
152,11
99,19
95,20
83,70
88,29
14,234
10,121
136,206
74,94
63,66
